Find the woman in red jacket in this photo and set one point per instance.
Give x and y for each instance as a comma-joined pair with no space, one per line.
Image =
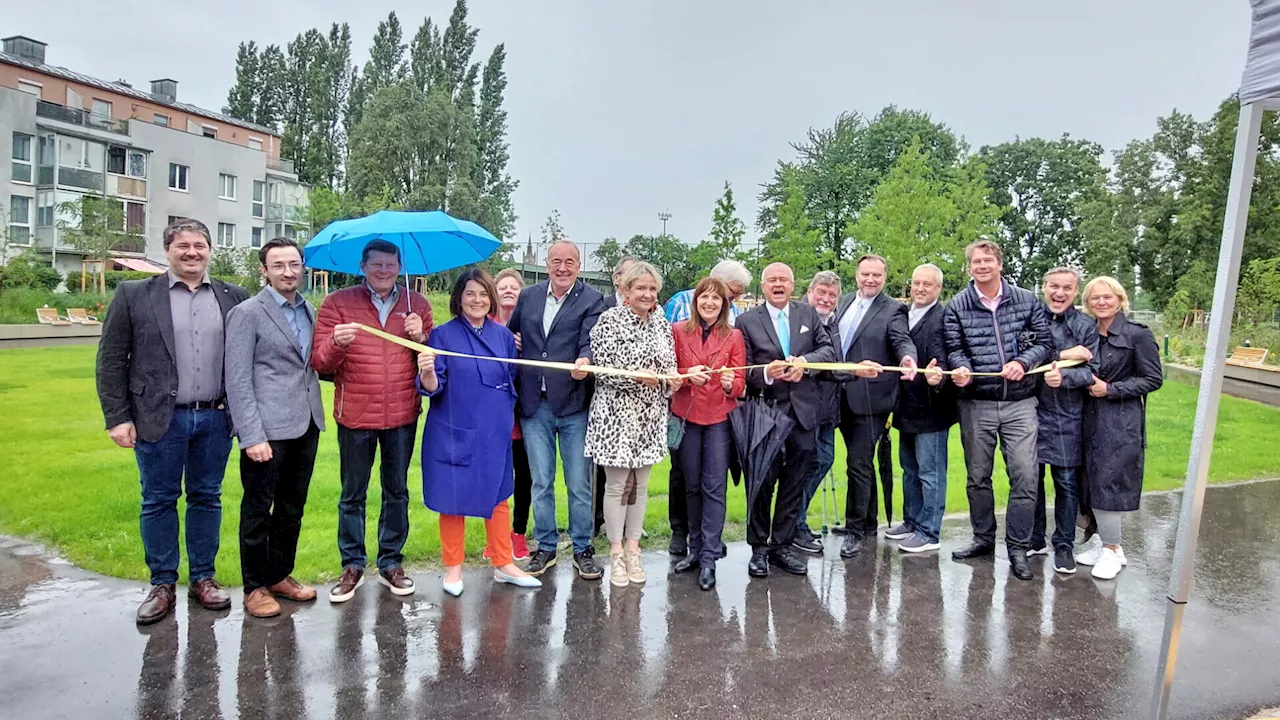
707,345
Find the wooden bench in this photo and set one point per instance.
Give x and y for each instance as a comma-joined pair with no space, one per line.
80,316
50,316
1243,356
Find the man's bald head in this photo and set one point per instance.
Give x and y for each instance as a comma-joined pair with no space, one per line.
777,282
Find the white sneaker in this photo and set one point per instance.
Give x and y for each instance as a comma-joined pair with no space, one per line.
618,575
1090,556
1108,565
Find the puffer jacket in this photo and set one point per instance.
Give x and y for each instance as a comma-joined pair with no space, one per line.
373,379
1061,409
984,341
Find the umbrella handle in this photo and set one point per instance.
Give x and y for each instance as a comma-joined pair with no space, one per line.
408,291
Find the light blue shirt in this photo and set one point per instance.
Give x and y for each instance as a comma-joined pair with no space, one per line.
384,307
298,315
850,321
680,307
777,315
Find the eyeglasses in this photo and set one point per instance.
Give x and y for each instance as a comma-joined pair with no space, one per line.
281,267
383,267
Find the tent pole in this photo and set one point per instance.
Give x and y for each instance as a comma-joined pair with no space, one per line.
1224,298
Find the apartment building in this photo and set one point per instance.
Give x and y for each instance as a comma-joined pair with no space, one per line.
71,134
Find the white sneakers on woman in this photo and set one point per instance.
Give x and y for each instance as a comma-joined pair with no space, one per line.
1090,556
1106,562
618,575
635,568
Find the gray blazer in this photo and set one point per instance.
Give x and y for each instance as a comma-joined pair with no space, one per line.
273,393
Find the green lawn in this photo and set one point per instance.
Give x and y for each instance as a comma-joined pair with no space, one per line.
67,485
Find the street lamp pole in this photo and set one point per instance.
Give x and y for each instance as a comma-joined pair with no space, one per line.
664,216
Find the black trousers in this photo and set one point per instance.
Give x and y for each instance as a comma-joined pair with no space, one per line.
793,466
677,494
524,487
861,433
275,494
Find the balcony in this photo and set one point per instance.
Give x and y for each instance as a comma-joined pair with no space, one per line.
74,116
281,164
294,214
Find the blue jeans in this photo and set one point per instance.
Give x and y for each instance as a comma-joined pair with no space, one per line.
923,458
704,453
540,434
1064,507
356,450
826,458
197,444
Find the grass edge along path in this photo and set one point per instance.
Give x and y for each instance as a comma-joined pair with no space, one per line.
64,484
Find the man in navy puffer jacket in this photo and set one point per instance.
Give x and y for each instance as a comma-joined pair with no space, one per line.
995,326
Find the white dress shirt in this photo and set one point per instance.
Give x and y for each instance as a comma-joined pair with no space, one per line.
916,314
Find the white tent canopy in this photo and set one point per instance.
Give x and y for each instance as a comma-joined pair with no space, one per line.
1259,92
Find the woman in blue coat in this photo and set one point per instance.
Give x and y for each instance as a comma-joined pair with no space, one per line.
466,440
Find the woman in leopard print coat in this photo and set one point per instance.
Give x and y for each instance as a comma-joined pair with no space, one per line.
627,426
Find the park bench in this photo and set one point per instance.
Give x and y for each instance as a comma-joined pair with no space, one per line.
1247,356
50,316
80,316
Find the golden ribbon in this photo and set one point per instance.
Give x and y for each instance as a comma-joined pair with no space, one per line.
602,370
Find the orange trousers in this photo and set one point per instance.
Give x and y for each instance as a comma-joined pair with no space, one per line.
497,530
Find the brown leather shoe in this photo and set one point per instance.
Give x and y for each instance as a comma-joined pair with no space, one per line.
209,594
261,604
291,589
351,578
396,581
157,605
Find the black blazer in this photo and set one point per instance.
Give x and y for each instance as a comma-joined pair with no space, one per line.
923,407
569,339
881,337
809,337
137,372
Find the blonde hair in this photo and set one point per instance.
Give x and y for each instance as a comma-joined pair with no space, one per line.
637,271
1109,283
508,273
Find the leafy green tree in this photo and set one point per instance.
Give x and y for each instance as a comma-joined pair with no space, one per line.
839,167
242,97
552,230
793,240
1259,294
670,257
96,226
386,63
608,253
1044,184
491,180
269,98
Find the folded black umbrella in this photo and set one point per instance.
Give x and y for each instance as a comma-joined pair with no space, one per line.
884,458
759,431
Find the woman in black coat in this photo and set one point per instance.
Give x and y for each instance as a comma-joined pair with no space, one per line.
1115,419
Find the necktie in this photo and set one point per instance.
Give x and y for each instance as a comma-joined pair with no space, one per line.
847,340
784,334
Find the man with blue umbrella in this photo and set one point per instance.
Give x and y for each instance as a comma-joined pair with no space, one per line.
375,404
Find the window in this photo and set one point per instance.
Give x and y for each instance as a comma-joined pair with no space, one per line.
44,208
137,164
255,144
101,112
178,177
21,171
259,194
117,158
19,220
209,131
227,186
161,120
83,154
226,235
273,193
135,217
256,241
30,87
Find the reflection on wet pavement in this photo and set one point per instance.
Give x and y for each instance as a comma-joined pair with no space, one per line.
882,635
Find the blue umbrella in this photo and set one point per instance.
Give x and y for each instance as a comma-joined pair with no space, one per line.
429,242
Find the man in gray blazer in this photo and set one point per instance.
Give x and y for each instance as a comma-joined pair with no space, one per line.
273,394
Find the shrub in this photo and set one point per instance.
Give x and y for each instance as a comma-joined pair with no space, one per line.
26,271
114,278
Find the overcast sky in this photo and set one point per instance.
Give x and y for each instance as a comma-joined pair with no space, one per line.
621,110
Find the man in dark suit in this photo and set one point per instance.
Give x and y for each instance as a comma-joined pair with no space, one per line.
777,333
159,380
552,321
873,330
924,415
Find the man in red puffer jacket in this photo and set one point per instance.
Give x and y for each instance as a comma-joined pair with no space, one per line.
375,403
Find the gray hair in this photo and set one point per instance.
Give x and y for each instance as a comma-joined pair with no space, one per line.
930,266
637,271
622,262
181,225
826,277
1063,270
732,271
570,243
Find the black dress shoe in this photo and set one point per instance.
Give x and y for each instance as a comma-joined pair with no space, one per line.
1018,562
851,546
759,565
679,544
686,562
974,550
806,544
707,578
788,561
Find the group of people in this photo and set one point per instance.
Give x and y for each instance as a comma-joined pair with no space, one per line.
186,362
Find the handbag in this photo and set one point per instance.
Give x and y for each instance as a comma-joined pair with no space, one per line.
675,430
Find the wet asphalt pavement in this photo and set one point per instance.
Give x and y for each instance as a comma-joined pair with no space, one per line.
880,636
